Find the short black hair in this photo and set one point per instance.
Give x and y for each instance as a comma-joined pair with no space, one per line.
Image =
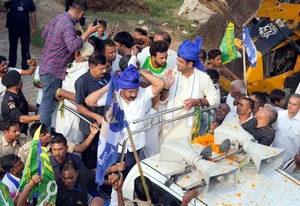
250,102
96,42
8,162
104,44
124,38
79,5
213,53
3,58
68,164
261,97
158,47
78,33
203,54
123,64
58,139
166,36
7,123
102,23
142,31
35,126
276,95
139,189
213,74
96,59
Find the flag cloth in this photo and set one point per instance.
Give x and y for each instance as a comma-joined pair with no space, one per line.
5,198
250,47
113,123
38,162
227,47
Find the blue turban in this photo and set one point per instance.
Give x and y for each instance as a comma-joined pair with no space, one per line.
129,78
190,51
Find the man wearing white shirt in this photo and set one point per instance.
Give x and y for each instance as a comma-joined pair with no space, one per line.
134,100
13,166
237,87
287,134
124,43
172,55
191,88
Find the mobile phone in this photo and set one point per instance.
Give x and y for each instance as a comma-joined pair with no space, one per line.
115,29
95,22
28,56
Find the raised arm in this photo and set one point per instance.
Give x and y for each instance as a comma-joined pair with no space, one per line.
92,99
157,83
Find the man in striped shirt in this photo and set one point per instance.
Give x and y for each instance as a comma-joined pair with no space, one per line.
60,46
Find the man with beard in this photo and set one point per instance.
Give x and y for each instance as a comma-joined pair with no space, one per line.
4,69
134,100
109,50
60,46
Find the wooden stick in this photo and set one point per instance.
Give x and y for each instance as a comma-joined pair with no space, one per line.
139,166
17,194
244,66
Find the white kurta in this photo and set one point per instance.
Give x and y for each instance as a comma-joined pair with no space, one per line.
69,124
287,134
11,186
198,85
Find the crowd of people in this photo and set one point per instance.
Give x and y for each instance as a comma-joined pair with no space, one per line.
75,70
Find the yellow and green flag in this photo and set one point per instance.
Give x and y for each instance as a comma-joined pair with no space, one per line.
5,198
38,162
227,47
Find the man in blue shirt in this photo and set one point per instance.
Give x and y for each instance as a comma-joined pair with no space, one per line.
96,78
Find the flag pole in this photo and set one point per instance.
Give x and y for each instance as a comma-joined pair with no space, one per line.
244,67
139,166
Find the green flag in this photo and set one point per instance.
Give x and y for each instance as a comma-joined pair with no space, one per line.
5,199
38,162
227,45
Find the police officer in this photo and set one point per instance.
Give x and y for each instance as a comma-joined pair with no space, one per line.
14,104
17,23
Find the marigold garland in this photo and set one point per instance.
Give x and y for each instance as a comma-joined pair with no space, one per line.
207,140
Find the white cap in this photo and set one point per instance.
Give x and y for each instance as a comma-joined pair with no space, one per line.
87,50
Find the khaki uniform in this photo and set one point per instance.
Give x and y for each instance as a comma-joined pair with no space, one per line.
6,148
24,150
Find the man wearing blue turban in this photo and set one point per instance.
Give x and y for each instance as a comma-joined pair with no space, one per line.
134,100
190,51
191,87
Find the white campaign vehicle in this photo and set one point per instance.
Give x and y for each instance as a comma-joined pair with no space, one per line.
229,179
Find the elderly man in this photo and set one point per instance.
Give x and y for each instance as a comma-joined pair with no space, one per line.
191,87
222,111
134,100
237,87
287,128
261,126
259,101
